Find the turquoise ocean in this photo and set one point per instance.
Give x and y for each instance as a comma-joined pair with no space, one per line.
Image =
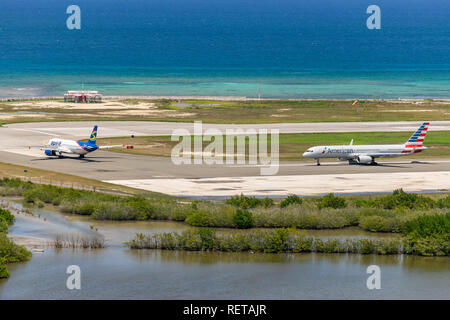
288,48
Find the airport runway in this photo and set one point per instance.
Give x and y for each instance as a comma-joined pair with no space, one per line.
25,134
161,175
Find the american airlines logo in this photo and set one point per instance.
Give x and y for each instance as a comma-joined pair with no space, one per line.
331,151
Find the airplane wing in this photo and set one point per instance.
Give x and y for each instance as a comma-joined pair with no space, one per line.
108,147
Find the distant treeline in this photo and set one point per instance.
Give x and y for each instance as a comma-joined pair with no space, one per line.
427,235
386,213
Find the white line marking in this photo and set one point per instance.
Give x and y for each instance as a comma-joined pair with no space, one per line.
309,163
38,131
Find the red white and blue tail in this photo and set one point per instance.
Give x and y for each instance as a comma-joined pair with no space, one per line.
414,144
417,138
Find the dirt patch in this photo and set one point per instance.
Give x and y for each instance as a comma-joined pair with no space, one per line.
160,113
279,115
110,105
21,116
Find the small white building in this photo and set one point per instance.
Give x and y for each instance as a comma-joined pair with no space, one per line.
83,96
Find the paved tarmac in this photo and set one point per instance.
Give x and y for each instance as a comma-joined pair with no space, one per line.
121,168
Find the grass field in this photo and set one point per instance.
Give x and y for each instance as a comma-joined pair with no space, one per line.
315,111
260,111
65,180
292,145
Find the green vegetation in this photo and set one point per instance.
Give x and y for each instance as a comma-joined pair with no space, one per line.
243,219
331,201
428,235
424,235
267,241
290,199
401,199
276,111
4,273
387,213
292,145
6,219
245,202
9,251
424,221
444,202
216,111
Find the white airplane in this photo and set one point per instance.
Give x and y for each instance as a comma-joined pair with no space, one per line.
56,146
366,154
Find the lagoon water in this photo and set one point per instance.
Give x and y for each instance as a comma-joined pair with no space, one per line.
116,272
294,48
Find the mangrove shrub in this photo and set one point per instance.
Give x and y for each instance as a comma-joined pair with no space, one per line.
331,201
243,219
291,199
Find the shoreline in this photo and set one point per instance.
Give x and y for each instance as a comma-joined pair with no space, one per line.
224,98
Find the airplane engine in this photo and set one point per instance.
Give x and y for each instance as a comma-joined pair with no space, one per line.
50,152
365,159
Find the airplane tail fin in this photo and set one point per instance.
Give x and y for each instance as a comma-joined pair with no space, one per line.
93,137
417,138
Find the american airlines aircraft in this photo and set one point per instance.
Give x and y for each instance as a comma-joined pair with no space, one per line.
56,146
366,154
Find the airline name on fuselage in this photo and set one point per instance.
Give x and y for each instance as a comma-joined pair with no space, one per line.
327,150
55,143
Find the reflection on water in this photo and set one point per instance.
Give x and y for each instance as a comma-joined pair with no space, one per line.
120,273
188,257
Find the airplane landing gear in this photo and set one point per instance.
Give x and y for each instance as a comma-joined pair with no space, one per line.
81,156
318,161
351,161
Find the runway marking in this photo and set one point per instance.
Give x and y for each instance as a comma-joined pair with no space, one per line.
418,160
38,131
298,184
33,152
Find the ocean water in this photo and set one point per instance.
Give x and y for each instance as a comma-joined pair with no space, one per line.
290,48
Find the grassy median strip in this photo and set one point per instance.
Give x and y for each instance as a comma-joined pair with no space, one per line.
292,145
216,111
40,176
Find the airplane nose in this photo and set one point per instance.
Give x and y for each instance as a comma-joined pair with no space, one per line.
304,154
